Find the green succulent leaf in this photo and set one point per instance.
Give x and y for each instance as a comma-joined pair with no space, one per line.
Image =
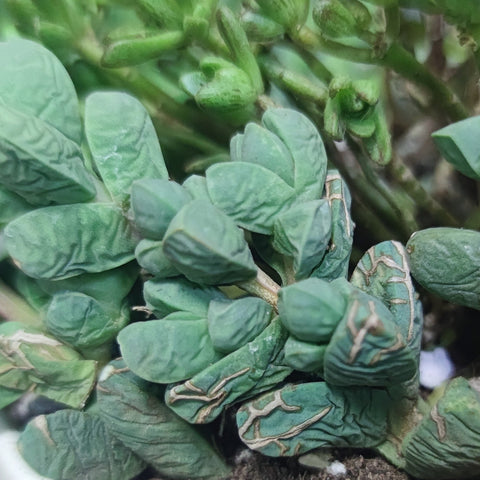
304,356
150,256
384,273
335,262
168,350
244,373
72,444
233,323
444,445
179,295
446,261
303,232
207,247
142,422
154,203
259,195
82,321
196,185
262,147
39,163
457,143
67,240
35,362
123,142
368,348
289,13
11,206
50,95
312,309
299,418
306,147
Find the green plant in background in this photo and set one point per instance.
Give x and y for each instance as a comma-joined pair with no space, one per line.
244,262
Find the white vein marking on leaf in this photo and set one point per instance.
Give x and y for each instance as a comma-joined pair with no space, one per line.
214,398
259,442
254,413
41,423
440,422
373,321
396,346
338,196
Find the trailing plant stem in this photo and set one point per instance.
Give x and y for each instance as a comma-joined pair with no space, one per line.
262,286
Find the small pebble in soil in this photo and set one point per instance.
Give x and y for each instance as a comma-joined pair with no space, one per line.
337,469
435,367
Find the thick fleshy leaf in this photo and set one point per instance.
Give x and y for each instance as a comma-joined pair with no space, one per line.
11,206
260,146
34,362
311,309
303,232
207,247
233,323
384,273
445,444
335,262
154,203
39,163
249,193
72,444
34,82
196,185
82,321
123,142
299,418
172,349
150,256
67,240
304,356
144,424
458,145
446,261
179,295
251,369
303,141
368,348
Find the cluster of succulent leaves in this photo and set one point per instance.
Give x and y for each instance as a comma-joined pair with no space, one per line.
244,268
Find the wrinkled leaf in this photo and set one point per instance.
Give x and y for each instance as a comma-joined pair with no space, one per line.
50,95
150,256
35,362
304,356
123,141
63,241
82,321
145,425
303,141
244,373
311,309
11,206
299,418
196,185
206,246
445,444
168,350
446,261
251,194
367,347
335,262
303,232
179,295
233,323
155,202
39,163
73,445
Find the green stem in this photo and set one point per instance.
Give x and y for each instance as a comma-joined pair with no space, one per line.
262,286
15,308
404,63
405,178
